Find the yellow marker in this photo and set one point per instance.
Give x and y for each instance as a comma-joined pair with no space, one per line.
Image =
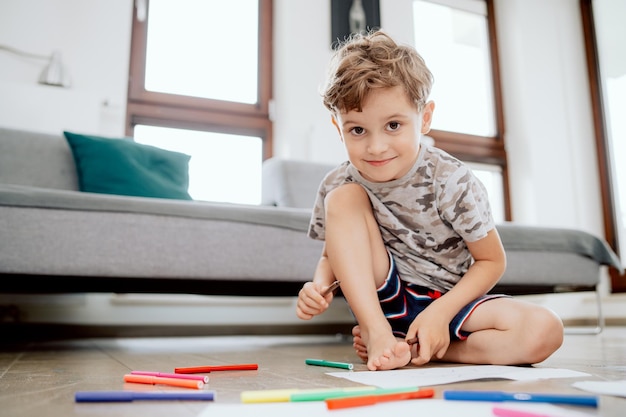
286,395
267,396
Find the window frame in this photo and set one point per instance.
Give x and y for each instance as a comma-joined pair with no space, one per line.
184,112
168,110
488,150
601,138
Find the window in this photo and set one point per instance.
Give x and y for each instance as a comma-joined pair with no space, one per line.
211,177
455,44
209,70
200,83
491,177
457,40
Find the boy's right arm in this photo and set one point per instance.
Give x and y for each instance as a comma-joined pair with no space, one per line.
311,302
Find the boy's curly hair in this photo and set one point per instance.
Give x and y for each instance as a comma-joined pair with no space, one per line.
374,60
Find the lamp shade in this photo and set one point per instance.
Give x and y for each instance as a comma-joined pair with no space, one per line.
55,73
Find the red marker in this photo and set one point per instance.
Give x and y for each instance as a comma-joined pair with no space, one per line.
204,369
362,400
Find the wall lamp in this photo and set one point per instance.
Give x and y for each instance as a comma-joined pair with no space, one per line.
54,72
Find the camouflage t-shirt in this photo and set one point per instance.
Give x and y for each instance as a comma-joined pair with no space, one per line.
425,217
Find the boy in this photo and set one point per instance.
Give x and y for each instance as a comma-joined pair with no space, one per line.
408,229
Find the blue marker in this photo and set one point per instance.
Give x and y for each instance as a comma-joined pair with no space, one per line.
128,396
500,396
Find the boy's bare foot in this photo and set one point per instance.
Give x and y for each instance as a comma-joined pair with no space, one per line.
358,344
396,355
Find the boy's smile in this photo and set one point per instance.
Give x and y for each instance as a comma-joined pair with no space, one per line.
383,139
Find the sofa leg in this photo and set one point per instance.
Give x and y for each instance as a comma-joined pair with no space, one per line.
601,322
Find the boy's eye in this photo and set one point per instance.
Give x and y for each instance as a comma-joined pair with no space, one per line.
357,130
393,125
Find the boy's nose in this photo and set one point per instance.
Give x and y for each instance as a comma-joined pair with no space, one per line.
376,146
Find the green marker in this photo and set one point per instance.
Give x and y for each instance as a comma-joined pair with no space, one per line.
321,395
331,364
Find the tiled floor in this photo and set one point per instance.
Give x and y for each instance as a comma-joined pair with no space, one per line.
41,378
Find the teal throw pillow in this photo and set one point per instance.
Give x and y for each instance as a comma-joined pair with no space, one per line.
125,167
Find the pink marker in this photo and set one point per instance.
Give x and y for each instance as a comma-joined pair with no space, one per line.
507,412
202,378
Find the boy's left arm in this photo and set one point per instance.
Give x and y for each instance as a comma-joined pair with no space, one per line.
432,324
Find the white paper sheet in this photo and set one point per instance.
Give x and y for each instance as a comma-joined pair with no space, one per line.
425,377
617,388
409,408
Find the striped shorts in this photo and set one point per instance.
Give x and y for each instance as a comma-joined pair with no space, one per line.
402,302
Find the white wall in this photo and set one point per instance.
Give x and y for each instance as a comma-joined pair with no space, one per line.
549,132
94,39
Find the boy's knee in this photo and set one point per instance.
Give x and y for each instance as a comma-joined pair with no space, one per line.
547,335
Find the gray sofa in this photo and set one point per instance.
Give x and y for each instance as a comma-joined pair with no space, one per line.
57,239
54,238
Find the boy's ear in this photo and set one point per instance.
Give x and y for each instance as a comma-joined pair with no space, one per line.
333,119
427,116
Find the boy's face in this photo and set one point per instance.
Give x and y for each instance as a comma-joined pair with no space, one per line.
383,140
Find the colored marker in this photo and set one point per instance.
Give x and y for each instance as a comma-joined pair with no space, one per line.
202,378
359,401
216,368
506,412
499,396
286,395
323,395
267,396
331,288
174,382
330,364
128,396
413,341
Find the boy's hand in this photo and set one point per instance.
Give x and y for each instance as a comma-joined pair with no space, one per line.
311,302
433,337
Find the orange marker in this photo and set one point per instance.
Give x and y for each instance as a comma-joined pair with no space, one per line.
175,382
204,369
361,400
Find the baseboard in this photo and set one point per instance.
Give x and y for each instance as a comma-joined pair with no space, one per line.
104,309
166,314
585,322
13,333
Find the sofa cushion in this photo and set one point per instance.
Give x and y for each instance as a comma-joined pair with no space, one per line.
290,183
36,159
125,167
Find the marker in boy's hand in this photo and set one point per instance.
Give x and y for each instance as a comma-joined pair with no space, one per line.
312,300
331,288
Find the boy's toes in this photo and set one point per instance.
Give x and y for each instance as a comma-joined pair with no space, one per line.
359,347
358,343
357,339
356,331
372,365
362,356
